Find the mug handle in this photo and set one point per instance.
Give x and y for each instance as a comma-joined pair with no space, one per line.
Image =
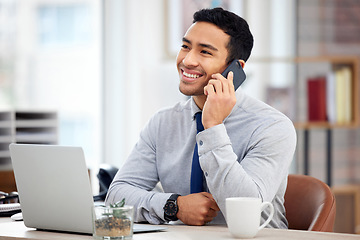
263,206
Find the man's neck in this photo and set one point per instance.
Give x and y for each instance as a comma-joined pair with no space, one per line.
200,101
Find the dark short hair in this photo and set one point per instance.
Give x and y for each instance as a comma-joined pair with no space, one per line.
241,39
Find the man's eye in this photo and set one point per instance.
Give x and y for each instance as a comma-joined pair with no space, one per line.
205,52
184,46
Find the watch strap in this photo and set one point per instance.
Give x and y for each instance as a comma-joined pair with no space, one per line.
174,197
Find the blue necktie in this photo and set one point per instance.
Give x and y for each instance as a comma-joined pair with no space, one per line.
196,184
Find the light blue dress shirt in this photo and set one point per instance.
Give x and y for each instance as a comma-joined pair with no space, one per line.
247,156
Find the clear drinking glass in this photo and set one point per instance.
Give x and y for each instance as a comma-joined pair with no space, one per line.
113,222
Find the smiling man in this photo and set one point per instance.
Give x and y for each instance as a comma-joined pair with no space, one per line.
220,143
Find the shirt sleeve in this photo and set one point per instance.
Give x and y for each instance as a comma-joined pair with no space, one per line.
136,180
258,174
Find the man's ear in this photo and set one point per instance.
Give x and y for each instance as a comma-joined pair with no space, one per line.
242,63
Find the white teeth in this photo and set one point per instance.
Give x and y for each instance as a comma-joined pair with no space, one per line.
190,75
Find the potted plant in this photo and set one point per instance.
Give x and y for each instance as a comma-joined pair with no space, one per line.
114,221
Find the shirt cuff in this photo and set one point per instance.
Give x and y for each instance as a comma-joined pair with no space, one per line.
212,138
156,212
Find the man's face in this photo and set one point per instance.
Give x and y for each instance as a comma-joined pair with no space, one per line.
202,54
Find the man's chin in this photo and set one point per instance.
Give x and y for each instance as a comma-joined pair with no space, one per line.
191,94
188,91
184,92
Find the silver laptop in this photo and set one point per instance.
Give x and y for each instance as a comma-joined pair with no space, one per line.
54,188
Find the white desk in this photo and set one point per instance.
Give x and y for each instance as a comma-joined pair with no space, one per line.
10,230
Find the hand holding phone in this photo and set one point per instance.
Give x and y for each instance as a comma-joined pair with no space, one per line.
239,74
216,109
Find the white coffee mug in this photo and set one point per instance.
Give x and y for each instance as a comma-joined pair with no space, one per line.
243,216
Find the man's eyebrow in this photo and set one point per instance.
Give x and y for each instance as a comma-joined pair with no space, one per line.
208,46
186,40
201,44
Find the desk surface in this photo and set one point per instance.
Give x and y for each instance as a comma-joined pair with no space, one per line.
17,230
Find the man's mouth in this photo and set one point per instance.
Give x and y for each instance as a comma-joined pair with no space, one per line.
191,75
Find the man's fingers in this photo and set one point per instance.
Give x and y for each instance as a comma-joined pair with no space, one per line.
210,216
208,195
230,79
197,208
213,204
209,89
217,85
227,84
212,213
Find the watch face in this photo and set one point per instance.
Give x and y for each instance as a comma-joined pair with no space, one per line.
170,208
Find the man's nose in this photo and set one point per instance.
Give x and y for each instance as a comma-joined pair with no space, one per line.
190,59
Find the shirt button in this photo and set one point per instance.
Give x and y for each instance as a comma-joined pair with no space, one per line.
201,142
206,174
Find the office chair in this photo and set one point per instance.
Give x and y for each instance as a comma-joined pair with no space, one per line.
309,204
106,175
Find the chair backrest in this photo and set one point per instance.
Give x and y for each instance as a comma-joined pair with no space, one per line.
309,204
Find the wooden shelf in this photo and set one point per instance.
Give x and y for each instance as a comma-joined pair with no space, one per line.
302,72
327,125
337,62
348,209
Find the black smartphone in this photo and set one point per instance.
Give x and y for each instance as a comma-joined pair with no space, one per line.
239,74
